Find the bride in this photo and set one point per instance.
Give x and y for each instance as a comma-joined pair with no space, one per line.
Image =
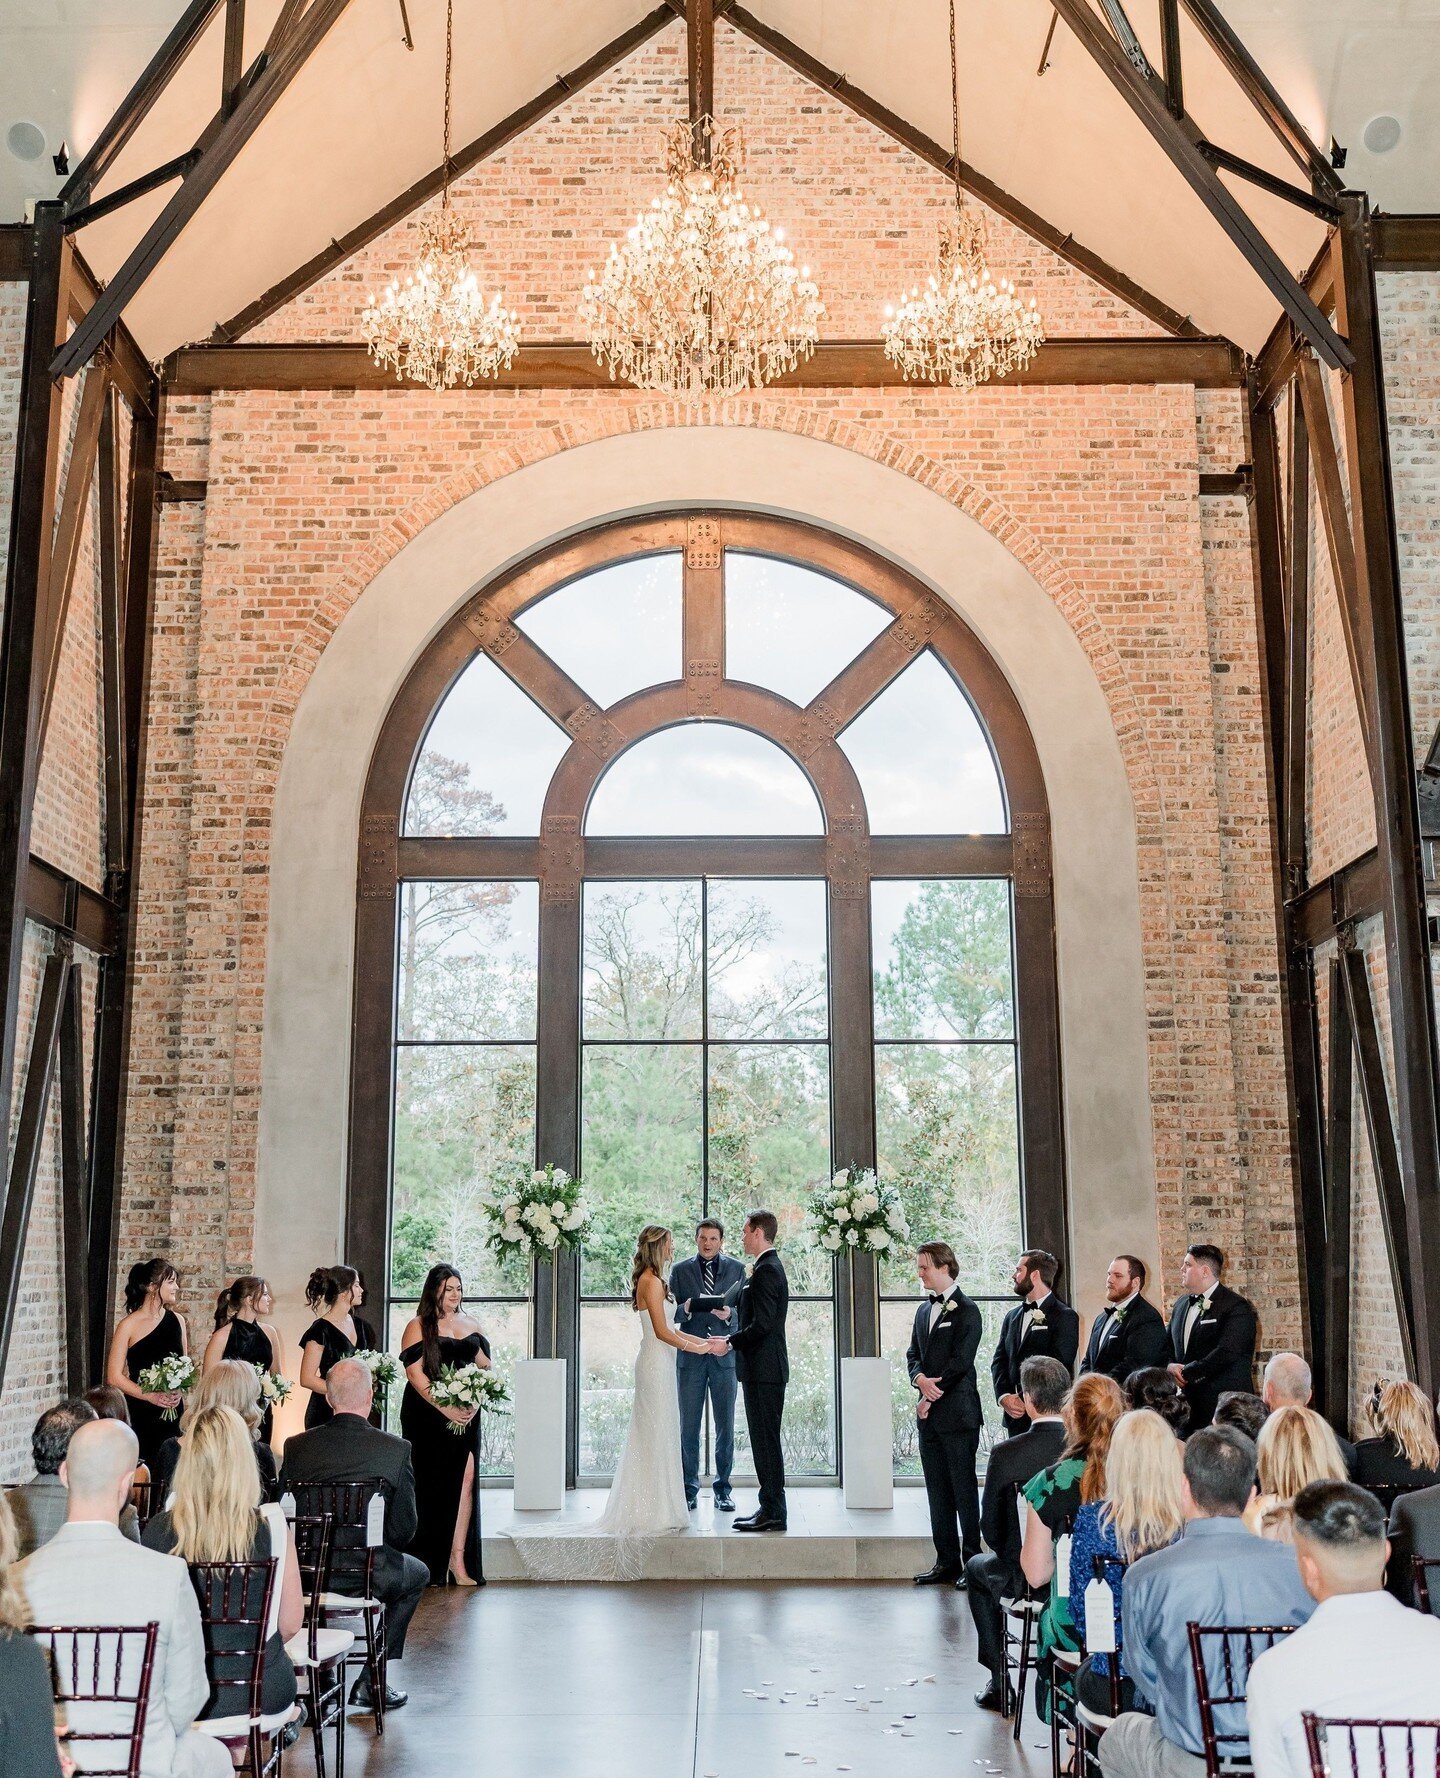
647,1495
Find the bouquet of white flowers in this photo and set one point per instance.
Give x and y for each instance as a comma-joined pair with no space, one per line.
273,1387
856,1210
467,1386
538,1217
169,1375
382,1368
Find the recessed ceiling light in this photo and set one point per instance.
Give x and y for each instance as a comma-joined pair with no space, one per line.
1382,133
26,141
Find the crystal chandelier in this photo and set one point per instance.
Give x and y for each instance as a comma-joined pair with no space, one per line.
962,328
703,297
436,328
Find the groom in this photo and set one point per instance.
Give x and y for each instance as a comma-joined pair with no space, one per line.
712,1272
763,1365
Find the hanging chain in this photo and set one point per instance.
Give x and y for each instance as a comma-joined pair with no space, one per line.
449,62
955,110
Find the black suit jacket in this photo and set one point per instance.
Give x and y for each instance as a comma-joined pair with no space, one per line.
1414,1531
1221,1354
1012,1462
758,1341
1058,1338
1138,1341
946,1352
349,1449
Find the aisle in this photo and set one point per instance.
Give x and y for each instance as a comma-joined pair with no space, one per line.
660,1681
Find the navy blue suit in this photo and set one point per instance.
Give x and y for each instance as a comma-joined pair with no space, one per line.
699,1373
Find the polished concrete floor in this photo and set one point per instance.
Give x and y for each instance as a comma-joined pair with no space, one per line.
677,1680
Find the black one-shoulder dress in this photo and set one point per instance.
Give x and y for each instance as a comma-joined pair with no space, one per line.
148,1422
439,1455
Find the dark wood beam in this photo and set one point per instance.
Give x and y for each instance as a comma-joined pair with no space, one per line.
850,364
84,916
1170,56
1332,1373
234,55
110,552
1276,360
169,492
1267,181
14,252
900,130
137,188
1294,827
1352,893
498,136
1406,243
129,367
1180,140
1230,481
258,100
74,1190
74,507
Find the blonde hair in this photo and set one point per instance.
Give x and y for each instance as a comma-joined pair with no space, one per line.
649,1257
1091,1410
1143,1470
1296,1447
1403,1414
217,1490
14,1613
230,1384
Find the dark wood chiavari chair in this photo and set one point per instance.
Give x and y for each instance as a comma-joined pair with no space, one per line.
142,1498
1087,1726
1220,1686
350,1596
1420,1567
235,1600
1372,1747
98,1666
1019,1618
320,1653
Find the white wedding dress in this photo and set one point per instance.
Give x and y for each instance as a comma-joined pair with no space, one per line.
647,1495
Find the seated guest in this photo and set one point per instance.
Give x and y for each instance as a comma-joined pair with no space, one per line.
89,1574
39,1504
995,1574
1217,1574
1414,1531
1295,1448
215,1517
1405,1453
1056,1495
1157,1390
347,1448
1139,1514
1287,1383
229,1384
1242,1410
27,1705
1128,1333
1360,1655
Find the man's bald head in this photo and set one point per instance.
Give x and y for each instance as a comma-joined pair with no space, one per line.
98,1468
349,1388
1287,1382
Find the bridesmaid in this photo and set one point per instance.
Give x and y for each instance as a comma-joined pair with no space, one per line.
240,1333
447,1539
150,1330
334,1293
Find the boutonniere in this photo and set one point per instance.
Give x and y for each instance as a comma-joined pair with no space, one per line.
1039,1320
949,1308
1120,1313
1204,1305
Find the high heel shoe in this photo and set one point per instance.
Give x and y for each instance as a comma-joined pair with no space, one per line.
460,1580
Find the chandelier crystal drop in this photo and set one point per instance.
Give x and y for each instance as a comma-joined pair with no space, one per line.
963,328
436,327
703,297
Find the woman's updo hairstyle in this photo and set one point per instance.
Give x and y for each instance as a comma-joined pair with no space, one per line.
328,1284
143,1277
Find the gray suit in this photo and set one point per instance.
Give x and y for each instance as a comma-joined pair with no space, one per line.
1414,1531
697,1373
90,1574
40,1505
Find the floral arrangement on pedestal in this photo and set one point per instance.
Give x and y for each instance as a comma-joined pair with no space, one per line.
467,1386
856,1210
544,1213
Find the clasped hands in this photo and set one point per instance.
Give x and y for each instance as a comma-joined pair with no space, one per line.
716,1346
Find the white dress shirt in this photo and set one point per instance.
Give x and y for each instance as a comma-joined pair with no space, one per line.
938,1309
1360,1655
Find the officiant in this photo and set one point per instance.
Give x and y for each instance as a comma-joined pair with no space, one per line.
698,1286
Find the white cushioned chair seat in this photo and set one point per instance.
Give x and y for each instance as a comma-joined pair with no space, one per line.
1021,1607
329,1646
236,1728
343,1602
1069,1658
1094,1719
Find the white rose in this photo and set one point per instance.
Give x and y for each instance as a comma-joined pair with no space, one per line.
868,1202
830,1239
895,1217
512,1213
557,1209
879,1240
533,1214
576,1217
537,1177
550,1235
853,1237
512,1232
841,1213
839,1179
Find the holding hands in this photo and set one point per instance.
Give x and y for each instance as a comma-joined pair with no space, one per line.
716,1346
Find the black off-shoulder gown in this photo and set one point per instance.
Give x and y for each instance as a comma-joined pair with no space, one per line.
440,1456
334,1346
147,1421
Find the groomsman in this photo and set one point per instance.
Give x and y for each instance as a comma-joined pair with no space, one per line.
1129,1334
710,1273
1040,1326
1212,1335
763,1365
941,1363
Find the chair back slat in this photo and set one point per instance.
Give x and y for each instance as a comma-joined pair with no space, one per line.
142,1498
1372,1747
234,1602
1221,1656
352,1555
1420,1567
312,1533
1111,1570
96,1666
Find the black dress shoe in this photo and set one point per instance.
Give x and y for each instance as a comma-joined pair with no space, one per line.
362,1698
692,1502
962,1583
759,1523
724,1503
992,1698
939,1577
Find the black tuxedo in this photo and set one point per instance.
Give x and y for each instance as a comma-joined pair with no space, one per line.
1057,1337
349,1449
1135,1339
995,1574
762,1362
950,1431
1221,1350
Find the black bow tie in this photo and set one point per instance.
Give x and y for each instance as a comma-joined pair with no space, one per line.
936,1299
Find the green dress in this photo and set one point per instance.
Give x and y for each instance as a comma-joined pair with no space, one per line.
1054,1496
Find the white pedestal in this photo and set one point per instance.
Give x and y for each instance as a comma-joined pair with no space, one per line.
539,1434
865,1433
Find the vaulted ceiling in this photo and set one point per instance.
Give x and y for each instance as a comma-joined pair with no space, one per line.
358,125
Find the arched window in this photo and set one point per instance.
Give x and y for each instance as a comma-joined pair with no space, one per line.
704,855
